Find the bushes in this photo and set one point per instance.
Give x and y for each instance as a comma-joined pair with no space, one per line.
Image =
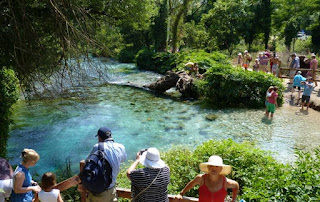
260,176
8,96
226,86
161,62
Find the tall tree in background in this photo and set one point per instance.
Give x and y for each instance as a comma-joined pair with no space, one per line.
160,30
224,23
266,19
180,11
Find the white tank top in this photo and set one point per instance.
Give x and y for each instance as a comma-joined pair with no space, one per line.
51,196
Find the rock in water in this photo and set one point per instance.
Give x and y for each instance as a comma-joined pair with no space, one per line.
211,117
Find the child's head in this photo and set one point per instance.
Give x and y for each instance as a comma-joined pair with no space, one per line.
270,89
275,88
48,180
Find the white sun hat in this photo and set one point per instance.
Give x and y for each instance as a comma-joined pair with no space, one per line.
151,159
313,55
215,161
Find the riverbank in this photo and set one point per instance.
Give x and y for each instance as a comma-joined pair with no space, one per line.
293,100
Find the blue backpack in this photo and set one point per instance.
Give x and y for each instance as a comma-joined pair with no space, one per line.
96,175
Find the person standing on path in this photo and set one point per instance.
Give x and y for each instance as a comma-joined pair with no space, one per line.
313,67
246,60
297,83
263,62
275,67
294,66
308,87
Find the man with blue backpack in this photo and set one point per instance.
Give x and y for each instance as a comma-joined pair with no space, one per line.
102,167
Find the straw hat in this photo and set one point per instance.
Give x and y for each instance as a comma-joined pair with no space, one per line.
151,159
313,55
215,161
189,64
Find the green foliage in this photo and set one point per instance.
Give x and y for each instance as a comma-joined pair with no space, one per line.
205,60
160,29
196,37
227,86
127,54
225,21
8,96
160,62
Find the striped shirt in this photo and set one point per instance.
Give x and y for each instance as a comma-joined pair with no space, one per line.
142,178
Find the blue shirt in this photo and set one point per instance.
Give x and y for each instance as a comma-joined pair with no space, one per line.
23,197
295,63
297,80
308,89
116,154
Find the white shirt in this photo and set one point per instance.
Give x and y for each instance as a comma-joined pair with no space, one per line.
51,196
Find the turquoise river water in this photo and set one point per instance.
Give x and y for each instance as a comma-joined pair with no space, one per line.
65,128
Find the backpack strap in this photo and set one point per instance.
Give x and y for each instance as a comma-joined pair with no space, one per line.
147,186
101,146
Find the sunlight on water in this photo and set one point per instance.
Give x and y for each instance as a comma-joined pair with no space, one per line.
140,119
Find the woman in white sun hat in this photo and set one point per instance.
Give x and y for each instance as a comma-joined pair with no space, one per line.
213,184
151,182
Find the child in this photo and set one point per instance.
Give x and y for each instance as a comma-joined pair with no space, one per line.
256,65
308,87
272,102
239,59
268,94
48,194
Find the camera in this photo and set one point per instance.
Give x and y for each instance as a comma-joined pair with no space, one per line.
142,150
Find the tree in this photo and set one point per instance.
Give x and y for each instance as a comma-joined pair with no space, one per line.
224,23
160,30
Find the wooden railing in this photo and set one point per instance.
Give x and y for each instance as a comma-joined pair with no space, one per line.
122,193
300,69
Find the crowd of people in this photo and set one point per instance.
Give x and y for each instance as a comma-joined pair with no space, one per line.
270,62
149,183
261,62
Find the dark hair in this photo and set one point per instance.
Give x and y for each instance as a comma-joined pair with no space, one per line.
48,180
275,88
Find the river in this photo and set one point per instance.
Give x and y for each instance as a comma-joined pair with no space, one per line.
65,128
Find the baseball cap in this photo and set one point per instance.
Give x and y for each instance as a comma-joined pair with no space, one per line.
104,133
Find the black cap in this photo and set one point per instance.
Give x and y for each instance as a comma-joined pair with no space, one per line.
104,133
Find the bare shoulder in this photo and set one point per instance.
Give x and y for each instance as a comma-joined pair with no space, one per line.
231,183
199,179
19,175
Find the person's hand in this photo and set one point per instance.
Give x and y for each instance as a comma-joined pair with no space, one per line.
36,188
138,155
179,196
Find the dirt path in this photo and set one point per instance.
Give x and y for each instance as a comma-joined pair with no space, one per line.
292,99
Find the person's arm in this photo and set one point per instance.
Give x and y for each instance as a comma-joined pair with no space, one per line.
36,198
133,165
190,185
231,184
269,94
275,101
123,154
59,198
18,182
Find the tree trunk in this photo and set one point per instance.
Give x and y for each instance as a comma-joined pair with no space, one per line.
177,20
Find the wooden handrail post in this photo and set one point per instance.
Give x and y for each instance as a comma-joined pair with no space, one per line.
81,189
